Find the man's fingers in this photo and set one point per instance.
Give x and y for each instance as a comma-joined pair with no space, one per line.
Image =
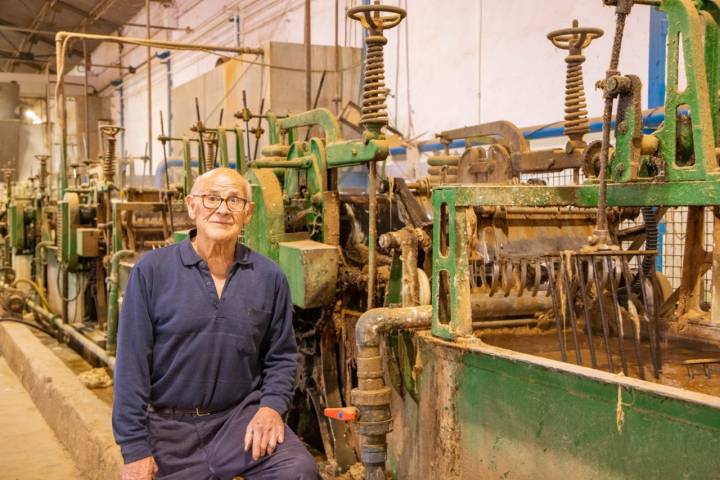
267,433
281,433
272,441
248,437
256,441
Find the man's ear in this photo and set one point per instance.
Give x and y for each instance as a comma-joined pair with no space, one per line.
190,204
249,208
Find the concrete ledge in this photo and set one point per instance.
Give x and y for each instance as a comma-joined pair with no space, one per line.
80,420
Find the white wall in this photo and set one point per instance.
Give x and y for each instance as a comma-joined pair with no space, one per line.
449,64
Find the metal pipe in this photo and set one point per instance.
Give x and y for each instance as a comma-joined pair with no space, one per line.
372,233
308,57
505,323
39,262
372,396
88,346
62,122
338,60
87,107
301,162
484,307
149,83
170,45
113,310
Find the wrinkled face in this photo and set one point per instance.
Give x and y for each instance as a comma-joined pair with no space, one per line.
224,221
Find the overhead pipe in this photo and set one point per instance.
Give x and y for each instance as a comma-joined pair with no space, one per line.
61,39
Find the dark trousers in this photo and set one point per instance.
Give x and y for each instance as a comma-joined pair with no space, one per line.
211,447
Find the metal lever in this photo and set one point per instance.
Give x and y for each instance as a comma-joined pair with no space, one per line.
343,414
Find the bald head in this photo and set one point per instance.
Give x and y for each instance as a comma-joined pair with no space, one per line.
221,177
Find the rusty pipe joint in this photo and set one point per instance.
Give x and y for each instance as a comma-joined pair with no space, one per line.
623,7
372,396
614,84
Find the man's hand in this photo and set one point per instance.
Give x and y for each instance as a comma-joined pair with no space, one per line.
143,469
264,432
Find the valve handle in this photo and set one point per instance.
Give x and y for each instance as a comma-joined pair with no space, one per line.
370,16
344,414
574,37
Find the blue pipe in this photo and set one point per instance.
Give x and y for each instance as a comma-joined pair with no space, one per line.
651,121
656,58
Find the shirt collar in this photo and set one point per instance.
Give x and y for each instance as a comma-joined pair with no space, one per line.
189,256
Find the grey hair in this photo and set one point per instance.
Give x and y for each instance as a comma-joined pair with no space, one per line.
197,184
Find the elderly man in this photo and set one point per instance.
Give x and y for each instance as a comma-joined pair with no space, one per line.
206,353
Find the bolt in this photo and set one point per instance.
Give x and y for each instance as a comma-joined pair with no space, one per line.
622,127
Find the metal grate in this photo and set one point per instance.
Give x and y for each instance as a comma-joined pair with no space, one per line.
675,222
672,234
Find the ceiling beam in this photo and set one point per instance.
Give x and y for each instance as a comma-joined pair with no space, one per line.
82,13
40,36
39,17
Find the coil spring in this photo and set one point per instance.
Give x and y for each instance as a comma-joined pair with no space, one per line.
59,232
576,122
8,183
374,109
574,40
43,172
210,154
109,159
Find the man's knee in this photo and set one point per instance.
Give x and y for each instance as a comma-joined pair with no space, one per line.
298,465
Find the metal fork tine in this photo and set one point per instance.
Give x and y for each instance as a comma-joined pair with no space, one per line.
569,296
523,276
586,305
616,313
651,315
603,314
556,307
636,328
538,277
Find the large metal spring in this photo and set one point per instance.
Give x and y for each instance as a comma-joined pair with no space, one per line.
8,184
374,109
108,164
210,141
109,159
574,40
59,232
576,122
42,178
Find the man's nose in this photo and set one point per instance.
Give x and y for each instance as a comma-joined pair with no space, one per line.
223,208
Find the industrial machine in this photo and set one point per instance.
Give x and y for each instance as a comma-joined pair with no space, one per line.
476,323
608,385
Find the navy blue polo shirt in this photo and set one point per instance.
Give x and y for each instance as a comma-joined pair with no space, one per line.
179,345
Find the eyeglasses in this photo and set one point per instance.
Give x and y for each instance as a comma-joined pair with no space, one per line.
234,203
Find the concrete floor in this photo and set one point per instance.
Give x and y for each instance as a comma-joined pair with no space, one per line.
30,450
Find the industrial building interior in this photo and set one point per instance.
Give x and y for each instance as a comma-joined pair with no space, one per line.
496,221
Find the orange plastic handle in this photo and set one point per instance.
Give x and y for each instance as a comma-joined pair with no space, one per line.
344,414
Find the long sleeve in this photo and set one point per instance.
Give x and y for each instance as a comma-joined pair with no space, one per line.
280,354
132,370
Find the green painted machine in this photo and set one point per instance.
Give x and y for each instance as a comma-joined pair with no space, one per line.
610,390
523,331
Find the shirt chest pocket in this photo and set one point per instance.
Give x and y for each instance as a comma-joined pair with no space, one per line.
253,325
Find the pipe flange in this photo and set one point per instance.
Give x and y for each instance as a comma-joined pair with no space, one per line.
374,428
371,398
